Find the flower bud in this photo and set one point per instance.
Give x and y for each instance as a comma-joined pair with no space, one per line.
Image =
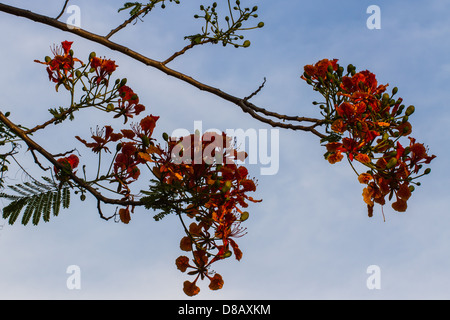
410,110
394,91
92,55
244,216
392,163
48,59
145,141
165,136
109,107
427,171
246,44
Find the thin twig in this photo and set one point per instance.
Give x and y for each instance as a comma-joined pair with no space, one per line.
246,106
125,23
257,91
182,51
63,9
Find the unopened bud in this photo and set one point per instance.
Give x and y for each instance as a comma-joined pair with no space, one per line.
392,163
145,141
394,90
244,216
410,110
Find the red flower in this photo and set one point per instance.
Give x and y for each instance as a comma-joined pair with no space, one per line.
320,69
103,68
60,68
128,103
68,164
100,140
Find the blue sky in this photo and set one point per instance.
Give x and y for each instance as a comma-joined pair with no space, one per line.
310,238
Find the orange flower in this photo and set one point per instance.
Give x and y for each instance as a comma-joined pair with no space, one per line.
338,126
103,68
59,67
363,158
190,288
124,215
182,263
404,192
216,282
335,157
400,205
365,178
320,69
186,244
367,195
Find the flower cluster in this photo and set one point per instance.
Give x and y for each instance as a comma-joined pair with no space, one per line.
60,67
214,188
103,68
367,125
196,177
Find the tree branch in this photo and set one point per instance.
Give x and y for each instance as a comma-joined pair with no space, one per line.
80,182
245,105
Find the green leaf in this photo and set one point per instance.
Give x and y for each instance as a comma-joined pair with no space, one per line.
37,200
